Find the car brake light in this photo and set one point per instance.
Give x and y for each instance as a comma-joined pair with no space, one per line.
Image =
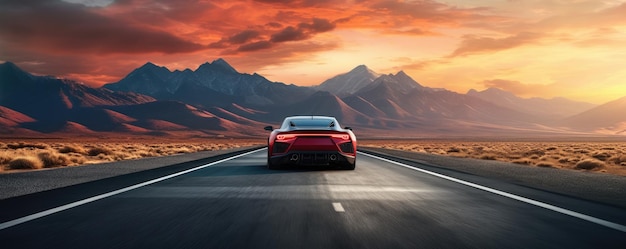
344,136
282,137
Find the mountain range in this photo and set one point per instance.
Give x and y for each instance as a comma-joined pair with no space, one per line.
215,99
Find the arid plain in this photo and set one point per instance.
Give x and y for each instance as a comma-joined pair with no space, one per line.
597,155
604,156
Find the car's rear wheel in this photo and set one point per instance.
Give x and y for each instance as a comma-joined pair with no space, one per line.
271,165
350,166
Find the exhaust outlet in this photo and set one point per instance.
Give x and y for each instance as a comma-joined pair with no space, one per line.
294,157
333,157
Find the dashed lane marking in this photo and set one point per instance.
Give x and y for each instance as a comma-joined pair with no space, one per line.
338,207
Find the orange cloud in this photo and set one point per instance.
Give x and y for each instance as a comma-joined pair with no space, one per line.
472,44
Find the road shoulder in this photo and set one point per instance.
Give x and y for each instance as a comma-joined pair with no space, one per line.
29,182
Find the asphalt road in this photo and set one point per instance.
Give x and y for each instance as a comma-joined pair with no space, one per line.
239,203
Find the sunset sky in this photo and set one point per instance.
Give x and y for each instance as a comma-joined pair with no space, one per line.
533,48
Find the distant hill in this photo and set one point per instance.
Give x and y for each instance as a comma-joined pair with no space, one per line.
609,118
547,109
50,99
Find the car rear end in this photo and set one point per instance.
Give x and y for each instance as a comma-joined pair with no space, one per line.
314,147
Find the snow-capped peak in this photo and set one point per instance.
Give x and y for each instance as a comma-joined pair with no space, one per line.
350,82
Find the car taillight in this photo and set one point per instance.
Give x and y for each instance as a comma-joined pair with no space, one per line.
342,136
284,137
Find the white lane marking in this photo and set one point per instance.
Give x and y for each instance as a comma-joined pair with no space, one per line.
592,219
112,193
338,207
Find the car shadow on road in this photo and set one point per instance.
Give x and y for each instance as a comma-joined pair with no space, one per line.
263,170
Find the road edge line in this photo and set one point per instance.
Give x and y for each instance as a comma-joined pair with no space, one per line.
585,217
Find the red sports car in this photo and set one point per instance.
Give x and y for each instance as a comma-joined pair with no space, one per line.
311,140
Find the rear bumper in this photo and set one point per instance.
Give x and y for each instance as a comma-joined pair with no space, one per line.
313,158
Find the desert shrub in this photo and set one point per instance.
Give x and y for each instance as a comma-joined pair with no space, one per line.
26,162
147,154
545,165
453,150
524,161
5,158
97,151
51,160
513,156
23,145
71,149
157,151
105,157
618,159
534,152
77,159
602,156
589,164
183,150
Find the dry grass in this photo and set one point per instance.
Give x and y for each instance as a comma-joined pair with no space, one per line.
20,155
25,162
609,157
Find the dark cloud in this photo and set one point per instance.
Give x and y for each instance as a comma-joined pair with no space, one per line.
303,31
285,53
254,46
236,39
253,40
274,25
318,25
243,36
290,34
71,28
302,3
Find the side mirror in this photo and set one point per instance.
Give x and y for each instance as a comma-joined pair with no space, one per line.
348,128
268,128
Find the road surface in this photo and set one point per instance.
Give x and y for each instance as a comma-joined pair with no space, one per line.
239,203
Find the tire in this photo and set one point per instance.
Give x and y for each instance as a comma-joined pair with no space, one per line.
270,165
350,166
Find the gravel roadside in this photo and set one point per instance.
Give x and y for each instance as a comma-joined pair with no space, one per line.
598,187
27,182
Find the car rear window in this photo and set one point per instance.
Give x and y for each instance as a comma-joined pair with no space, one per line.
311,123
